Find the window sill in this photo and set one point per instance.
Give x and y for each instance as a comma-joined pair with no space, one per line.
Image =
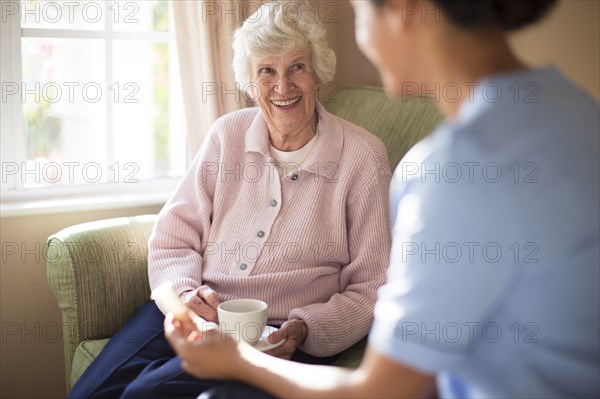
56,200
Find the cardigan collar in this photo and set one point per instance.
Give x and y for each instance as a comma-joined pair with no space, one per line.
328,149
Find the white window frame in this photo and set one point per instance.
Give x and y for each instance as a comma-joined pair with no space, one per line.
17,201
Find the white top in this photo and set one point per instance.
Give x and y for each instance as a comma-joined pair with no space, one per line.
494,278
289,159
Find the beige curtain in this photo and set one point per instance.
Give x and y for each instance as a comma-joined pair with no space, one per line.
204,31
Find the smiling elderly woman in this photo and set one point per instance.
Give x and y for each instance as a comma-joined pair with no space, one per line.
285,203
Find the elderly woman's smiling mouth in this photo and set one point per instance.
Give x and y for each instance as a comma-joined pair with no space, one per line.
286,103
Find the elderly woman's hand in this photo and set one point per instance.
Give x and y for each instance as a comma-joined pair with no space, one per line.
203,350
204,301
294,332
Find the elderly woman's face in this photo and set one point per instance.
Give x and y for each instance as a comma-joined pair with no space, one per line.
287,90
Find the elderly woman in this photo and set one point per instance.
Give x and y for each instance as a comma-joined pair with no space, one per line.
481,324
285,203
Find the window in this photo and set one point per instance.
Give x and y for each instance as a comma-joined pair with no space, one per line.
98,97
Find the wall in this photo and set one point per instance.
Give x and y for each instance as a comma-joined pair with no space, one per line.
32,364
569,38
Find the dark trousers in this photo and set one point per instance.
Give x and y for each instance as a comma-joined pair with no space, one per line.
138,362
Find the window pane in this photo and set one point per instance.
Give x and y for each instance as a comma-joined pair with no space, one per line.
64,97
89,124
147,103
140,16
80,14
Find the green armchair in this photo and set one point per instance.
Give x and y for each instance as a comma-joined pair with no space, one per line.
98,270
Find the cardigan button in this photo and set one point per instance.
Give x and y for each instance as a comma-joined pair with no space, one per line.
274,203
294,177
260,234
243,266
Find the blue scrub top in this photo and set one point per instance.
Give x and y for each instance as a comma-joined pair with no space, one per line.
494,277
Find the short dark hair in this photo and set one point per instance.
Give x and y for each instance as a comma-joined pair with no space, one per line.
508,15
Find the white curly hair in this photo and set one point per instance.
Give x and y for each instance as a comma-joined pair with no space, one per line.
277,28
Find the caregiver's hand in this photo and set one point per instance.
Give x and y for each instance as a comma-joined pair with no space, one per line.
204,353
204,301
294,332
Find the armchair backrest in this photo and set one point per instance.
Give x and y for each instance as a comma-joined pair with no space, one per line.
400,124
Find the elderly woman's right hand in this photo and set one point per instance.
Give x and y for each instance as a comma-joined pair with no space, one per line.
204,301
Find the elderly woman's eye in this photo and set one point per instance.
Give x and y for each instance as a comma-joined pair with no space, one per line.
266,70
297,67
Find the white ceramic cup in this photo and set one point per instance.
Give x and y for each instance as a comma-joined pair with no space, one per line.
245,319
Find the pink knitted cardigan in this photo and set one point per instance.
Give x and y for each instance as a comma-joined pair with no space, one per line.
313,244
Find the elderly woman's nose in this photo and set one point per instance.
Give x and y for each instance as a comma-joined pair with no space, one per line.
284,85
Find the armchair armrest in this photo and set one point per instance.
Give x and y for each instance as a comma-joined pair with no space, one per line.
98,272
